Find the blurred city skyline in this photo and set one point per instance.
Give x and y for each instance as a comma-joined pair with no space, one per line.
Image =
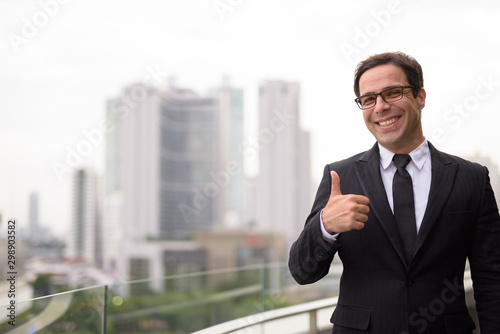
61,61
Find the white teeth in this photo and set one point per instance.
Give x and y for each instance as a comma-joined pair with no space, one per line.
388,122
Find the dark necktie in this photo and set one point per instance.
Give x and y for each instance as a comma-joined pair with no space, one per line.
404,205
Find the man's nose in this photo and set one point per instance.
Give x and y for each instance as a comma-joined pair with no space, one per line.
381,105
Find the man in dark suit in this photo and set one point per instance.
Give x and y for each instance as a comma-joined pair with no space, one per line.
403,218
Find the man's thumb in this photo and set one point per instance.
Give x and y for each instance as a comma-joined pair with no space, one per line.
335,184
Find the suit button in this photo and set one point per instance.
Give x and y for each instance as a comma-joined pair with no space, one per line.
409,282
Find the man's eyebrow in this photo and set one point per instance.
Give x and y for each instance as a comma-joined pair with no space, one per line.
385,88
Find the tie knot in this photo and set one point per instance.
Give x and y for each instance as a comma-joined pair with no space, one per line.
401,160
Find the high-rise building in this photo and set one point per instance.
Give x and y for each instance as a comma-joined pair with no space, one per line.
34,224
171,171
231,174
112,227
283,183
191,193
85,240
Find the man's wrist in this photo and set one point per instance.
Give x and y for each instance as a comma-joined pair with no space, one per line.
331,238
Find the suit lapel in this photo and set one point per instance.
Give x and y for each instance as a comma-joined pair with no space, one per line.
443,174
368,172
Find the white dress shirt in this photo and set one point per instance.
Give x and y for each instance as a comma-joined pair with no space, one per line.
420,171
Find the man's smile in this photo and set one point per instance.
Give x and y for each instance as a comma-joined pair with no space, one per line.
388,122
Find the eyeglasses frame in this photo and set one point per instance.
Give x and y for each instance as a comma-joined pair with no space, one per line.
358,99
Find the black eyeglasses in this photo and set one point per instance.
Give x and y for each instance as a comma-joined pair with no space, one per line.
391,94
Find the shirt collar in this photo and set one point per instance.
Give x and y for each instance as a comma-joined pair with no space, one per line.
418,155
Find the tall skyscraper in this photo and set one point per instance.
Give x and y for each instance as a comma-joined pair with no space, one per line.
34,223
283,183
231,171
112,227
171,169
191,198
85,240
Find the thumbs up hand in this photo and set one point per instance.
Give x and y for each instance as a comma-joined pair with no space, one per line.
344,213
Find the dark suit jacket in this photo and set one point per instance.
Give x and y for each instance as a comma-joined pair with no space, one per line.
379,291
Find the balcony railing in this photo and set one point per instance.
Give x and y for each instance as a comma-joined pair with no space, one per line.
307,318
257,299
175,304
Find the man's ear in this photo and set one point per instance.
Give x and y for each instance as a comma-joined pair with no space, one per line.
421,98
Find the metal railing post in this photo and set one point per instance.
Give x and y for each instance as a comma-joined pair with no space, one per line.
105,311
313,319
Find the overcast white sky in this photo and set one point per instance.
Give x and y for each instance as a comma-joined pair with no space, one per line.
60,61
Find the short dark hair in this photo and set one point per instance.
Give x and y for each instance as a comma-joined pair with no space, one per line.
410,66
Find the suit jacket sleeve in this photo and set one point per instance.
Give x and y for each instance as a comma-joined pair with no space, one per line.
311,256
484,260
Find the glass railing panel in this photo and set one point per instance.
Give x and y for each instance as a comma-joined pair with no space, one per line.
79,311
175,304
281,290
183,304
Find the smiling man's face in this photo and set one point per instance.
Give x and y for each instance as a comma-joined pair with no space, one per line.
396,125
